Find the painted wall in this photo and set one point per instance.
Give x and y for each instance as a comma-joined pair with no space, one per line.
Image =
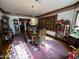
0,15
68,15
11,22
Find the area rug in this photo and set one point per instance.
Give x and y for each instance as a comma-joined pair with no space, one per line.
19,51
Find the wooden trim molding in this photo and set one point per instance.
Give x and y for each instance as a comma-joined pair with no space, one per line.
76,5
17,14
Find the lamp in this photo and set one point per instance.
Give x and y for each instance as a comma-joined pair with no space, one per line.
34,21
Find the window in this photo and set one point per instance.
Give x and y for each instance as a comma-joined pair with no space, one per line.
77,19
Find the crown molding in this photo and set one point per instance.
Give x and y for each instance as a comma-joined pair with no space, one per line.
73,6
3,11
15,14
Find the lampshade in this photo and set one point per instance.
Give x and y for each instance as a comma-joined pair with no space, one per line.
34,21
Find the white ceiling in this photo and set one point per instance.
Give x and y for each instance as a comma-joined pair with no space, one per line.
41,7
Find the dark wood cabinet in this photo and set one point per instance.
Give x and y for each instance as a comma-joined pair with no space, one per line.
73,41
6,30
5,27
5,24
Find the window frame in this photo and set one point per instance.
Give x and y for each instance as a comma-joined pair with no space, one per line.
76,18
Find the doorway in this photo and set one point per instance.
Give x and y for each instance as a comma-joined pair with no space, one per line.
24,24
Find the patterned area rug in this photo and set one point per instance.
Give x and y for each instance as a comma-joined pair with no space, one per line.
19,51
53,49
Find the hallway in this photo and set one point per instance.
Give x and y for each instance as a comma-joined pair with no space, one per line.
53,49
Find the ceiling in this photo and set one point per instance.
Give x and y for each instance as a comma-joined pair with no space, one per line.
34,7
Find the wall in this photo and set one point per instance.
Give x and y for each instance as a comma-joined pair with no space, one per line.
0,15
11,23
66,15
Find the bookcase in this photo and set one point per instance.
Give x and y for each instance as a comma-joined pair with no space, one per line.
48,23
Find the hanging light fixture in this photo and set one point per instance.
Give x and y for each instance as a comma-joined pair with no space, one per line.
36,0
